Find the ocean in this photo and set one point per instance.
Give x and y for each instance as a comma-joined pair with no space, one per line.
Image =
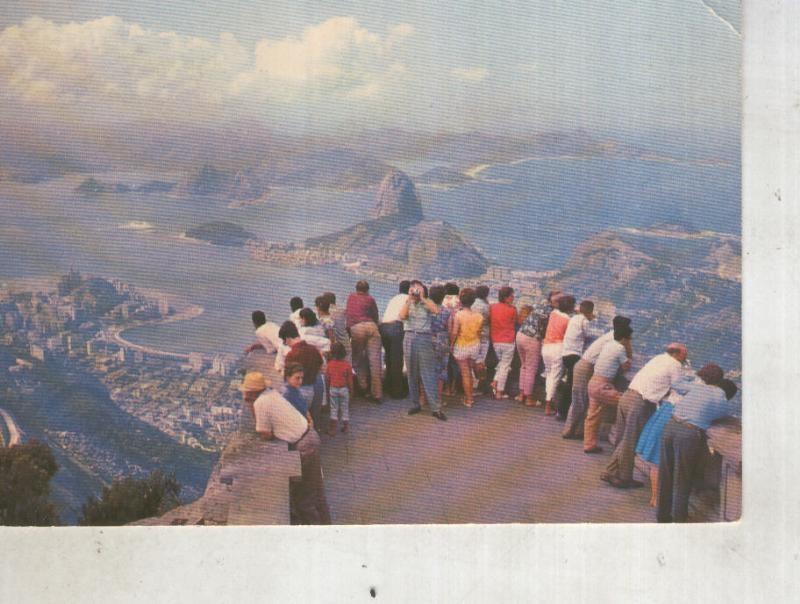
530,216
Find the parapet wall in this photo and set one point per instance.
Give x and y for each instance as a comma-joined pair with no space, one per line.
250,483
249,486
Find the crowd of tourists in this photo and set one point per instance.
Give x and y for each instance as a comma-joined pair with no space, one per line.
432,343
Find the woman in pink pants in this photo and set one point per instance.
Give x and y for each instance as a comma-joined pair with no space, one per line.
529,347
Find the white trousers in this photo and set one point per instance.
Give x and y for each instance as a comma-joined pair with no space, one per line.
553,368
505,354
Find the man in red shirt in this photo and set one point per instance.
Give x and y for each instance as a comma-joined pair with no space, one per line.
308,356
362,321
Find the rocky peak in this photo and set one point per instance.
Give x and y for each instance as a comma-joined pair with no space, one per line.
397,196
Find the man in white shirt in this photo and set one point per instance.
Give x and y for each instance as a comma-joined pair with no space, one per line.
582,329
481,306
268,340
651,384
582,373
391,329
276,418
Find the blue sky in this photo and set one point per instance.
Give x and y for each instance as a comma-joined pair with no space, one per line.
625,66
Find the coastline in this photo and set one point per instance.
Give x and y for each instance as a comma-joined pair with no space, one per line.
475,171
183,312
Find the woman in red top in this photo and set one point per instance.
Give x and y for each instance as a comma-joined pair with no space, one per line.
551,348
503,321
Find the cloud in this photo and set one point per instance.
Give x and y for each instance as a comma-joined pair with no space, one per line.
471,74
109,66
334,60
108,69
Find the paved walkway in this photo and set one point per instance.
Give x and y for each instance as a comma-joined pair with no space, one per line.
498,462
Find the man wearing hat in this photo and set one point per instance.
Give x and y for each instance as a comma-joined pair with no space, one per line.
276,418
651,384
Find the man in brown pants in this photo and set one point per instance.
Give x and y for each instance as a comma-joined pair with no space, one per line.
362,321
651,384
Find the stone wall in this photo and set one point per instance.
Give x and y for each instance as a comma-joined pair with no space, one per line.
250,483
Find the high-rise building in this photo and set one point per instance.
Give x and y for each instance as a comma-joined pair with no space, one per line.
222,365
196,361
37,352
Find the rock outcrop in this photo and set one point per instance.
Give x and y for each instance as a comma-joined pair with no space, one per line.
425,249
220,233
397,197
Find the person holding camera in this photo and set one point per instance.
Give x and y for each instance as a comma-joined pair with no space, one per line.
419,351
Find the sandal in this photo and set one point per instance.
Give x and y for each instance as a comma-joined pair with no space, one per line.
468,404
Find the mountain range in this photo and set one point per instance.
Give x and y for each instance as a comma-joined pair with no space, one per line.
242,164
675,284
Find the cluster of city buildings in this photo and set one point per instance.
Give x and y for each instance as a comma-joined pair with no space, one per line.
296,253
197,409
191,397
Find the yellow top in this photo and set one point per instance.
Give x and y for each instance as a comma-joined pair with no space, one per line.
469,332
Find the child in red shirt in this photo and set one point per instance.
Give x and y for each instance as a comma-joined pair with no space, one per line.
339,379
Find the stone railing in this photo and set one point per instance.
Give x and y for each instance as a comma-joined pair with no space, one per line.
725,440
250,483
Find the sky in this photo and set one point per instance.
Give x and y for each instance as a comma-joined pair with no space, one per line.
627,66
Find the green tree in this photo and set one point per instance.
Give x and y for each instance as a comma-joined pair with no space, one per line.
25,473
130,499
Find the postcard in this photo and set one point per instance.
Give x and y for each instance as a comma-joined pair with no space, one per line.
355,265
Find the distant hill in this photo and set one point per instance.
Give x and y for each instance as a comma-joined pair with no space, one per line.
91,186
677,285
232,185
426,248
461,150
220,233
443,176
333,168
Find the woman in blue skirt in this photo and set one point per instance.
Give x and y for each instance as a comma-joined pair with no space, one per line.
649,443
